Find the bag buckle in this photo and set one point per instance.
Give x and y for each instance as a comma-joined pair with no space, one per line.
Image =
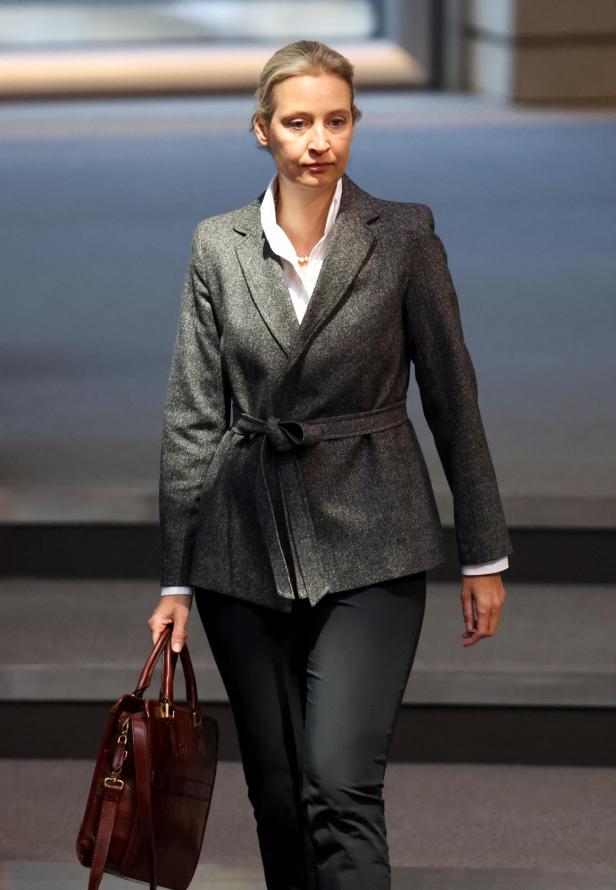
114,782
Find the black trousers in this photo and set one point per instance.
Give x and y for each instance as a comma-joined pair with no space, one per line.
314,695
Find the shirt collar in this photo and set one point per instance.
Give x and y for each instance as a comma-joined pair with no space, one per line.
275,234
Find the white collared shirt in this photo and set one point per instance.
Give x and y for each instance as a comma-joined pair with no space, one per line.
301,281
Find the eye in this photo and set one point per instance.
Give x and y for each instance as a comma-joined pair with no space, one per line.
337,122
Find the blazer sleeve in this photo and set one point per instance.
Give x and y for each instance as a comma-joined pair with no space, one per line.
449,395
196,415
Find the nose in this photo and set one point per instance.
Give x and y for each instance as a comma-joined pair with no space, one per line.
318,139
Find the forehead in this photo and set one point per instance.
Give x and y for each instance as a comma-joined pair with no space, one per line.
304,92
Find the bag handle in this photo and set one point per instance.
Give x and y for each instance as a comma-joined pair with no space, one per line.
148,668
163,644
170,659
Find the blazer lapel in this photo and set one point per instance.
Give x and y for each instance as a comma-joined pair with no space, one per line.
350,243
264,276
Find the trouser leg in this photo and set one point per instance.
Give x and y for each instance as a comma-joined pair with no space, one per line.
360,653
262,668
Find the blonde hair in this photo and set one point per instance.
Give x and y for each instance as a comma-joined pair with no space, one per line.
299,57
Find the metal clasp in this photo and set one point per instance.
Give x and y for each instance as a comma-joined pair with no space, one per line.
167,709
123,737
114,782
196,715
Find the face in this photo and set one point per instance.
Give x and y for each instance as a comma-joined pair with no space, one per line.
311,129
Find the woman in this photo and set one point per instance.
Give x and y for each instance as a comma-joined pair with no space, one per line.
295,503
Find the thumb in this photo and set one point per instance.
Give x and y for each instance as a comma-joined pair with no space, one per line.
178,636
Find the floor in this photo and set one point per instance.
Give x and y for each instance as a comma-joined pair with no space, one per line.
36,876
468,826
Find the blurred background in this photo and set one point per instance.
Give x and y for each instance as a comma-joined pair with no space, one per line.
122,124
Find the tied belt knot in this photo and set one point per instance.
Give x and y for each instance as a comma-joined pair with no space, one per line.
281,438
282,435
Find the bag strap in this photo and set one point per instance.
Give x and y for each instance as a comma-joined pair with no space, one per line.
111,797
143,771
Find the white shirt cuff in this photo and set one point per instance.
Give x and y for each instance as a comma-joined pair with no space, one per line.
485,568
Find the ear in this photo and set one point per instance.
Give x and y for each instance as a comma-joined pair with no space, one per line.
261,132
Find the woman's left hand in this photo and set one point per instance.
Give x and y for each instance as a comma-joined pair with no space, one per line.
482,600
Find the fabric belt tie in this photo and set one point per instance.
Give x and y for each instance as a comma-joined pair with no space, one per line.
281,438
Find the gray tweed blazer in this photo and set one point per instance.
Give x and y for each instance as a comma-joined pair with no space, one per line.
274,427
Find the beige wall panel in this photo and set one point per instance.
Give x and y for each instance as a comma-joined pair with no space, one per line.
566,73
560,17
543,17
178,69
542,73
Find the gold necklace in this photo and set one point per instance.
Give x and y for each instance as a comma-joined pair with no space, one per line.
302,260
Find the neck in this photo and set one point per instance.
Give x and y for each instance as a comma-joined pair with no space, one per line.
302,212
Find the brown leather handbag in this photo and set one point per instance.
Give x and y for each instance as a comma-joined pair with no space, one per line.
153,781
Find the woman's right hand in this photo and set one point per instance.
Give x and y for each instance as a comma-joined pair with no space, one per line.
172,609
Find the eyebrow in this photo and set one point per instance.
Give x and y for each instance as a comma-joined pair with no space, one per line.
335,111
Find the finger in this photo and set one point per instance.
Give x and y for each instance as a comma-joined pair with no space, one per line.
483,620
158,628
467,608
471,636
478,631
178,637
494,615
497,611
481,625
